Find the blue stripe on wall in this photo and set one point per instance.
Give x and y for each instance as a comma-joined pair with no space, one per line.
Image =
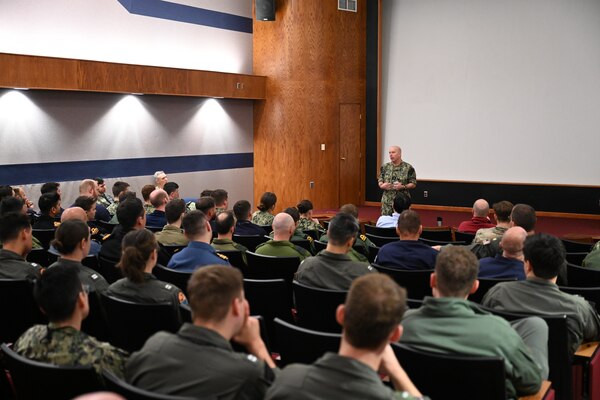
184,13
22,174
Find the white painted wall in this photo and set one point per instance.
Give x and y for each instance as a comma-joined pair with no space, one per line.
500,91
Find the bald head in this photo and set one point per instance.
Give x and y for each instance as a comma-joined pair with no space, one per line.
481,208
283,226
74,213
512,242
159,198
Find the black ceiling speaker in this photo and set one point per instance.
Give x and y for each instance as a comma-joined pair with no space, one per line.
265,10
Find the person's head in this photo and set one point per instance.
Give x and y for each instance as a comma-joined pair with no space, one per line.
74,213
146,190
502,211
88,204
225,223
172,190
6,191
50,187
119,187
372,312
242,209
49,204
13,204
294,213
401,202
59,293
512,242
88,187
206,204
159,198
481,208
174,210
455,273
409,225
160,178
523,215
206,193
283,226
350,209
15,232
131,214
221,198
20,193
139,248
395,153
101,185
305,206
267,201
544,255
342,230
126,196
196,226
72,236
216,293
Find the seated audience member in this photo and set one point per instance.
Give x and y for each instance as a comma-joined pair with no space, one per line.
89,187
448,323
6,191
362,242
408,252
280,245
158,199
16,239
78,213
172,234
19,193
146,190
225,224
13,204
298,234
140,253
198,252
371,320
592,260
50,187
206,204
103,198
73,243
332,268
198,361
119,187
539,294
502,211
64,300
127,195
172,190
221,198
509,264
307,222
160,178
401,202
49,204
87,204
131,215
243,225
480,218
264,215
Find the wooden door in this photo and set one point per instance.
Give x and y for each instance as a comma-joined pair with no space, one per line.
350,154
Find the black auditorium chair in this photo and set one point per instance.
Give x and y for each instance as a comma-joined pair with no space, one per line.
185,311
172,249
18,309
416,282
313,233
381,240
235,257
463,237
301,345
109,270
105,226
576,258
267,228
130,392
154,228
269,267
437,233
486,284
40,257
316,307
95,323
385,232
373,251
412,303
431,242
304,243
250,241
576,247
44,236
442,376
177,278
591,294
582,277
319,245
36,380
131,324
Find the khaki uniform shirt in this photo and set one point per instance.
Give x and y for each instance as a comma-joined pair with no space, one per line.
331,271
282,248
171,235
403,173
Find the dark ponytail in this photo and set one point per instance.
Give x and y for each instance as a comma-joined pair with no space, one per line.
137,247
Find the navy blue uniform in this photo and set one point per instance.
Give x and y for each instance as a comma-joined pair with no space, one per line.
407,254
196,254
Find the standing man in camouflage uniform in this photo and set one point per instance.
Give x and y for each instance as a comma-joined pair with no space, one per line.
397,176
64,300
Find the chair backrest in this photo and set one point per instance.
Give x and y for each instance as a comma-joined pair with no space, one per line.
319,245
131,324
304,243
316,307
486,284
172,249
269,267
267,228
105,226
438,233
301,345
95,323
177,278
44,236
576,247
313,233
416,282
381,240
91,261
412,303
36,380
39,256
582,277
591,294
250,241
373,251
463,236
441,376
576,258
108,269
131,392
235,257
385,232
18,309
154,229
431,242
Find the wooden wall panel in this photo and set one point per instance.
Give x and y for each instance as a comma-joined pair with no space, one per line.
37,72
314,58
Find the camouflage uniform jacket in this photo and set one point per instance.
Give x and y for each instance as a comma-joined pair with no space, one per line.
112,208
68,346
592,260
149,208
485,235
403,173
262,218
306,224
105,200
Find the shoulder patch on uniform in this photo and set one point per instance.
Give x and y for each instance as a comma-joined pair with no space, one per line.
94,277
181,297
363,238
224,257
